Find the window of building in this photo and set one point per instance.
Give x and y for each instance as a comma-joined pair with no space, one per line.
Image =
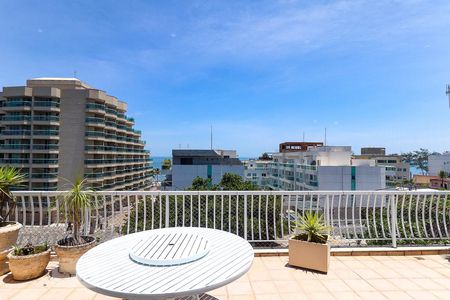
186,161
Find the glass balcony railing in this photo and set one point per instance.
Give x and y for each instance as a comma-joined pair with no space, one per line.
46,104
16,132
44,175
47,161
15,146
14,160
46,118
95,106
111,111
94,134
16,118
16,103
45,147
95,120
46,132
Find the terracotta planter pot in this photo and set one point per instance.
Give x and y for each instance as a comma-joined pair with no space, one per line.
313,256
69,255
28,266
8,237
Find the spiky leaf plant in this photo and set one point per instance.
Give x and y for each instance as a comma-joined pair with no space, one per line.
74,204
9,177
312,226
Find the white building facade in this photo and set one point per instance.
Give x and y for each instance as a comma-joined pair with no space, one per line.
439,162
323,168
257,171
208,164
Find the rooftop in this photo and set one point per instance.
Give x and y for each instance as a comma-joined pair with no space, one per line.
350,277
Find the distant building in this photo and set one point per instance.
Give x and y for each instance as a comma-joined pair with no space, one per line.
439,162
373,151
423,180
188,164
58,129
322,168
396,170
257,171
297,146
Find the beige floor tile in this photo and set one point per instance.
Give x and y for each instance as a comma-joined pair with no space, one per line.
294,296
259,275
444,295
346,295
371,295
104,297
81,293
397,295
320,296
239,288
382,284
263,287
444,282
336,285
427,284
421,295
29,294
311,286
367,273
6,294
359,285
348,274
287,286
268,297
355,264
282,274
444,271
405,284
241,297
56,293
386,272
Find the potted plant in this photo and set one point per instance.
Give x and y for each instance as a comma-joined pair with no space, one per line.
28,262
308,248
74,204
9,177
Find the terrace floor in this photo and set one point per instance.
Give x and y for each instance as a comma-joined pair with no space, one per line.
350,277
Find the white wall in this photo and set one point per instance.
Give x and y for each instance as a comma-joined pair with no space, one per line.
438,163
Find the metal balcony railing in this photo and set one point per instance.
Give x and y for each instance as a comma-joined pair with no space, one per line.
264,218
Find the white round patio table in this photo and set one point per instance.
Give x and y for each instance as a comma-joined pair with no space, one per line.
165,263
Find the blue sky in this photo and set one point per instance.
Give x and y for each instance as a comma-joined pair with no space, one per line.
261,72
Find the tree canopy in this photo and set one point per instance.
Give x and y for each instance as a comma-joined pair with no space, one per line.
418,159
229,182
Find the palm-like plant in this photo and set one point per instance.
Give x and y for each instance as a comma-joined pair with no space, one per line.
313,226
75,203
442,176
9,177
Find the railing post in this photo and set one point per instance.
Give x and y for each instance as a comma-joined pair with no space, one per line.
245,217
167,223
393,200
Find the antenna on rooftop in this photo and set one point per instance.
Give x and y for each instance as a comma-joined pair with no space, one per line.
303,136
447,92
211,137
74,73
325,142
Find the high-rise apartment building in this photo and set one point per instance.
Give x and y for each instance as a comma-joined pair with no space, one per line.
58,129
